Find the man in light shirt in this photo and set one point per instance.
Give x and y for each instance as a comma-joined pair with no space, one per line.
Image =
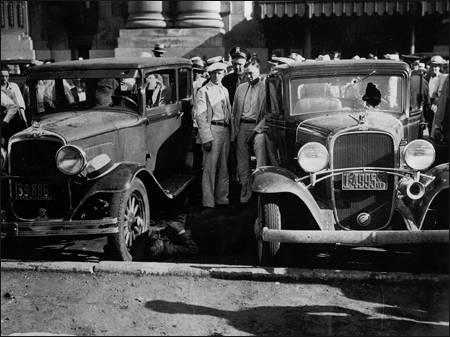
213,114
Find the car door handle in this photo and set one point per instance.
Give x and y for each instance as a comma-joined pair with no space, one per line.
181,113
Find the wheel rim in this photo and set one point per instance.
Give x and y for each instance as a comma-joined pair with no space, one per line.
134,218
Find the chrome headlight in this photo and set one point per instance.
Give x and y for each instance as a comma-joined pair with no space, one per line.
419,154
312,157
4,158
70,159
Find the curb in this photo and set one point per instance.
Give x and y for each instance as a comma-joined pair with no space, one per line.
228,272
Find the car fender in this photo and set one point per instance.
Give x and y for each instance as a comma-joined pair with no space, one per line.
418,208
270,179
116,181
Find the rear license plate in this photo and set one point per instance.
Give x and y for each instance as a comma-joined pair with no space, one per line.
364,181
32,191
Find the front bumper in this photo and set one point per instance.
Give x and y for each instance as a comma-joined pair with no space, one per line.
60,228
356,238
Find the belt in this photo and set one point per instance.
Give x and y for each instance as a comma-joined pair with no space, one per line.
220,123
249,121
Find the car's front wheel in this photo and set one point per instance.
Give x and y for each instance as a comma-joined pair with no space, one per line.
132,209
270,217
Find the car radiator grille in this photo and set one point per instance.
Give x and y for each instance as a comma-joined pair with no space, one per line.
40,184
363,150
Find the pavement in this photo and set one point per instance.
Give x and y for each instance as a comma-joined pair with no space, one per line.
229,272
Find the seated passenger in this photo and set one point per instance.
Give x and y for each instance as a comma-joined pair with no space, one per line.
161,94
104,91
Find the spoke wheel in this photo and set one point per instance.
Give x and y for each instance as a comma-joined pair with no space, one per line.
133,213
270,217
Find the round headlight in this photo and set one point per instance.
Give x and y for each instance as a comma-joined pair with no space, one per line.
4,158
312,157
419,154
70,159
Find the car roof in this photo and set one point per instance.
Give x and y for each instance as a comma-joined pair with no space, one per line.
111,63
309,65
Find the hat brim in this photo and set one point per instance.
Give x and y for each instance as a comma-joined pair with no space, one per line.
158,51
216,66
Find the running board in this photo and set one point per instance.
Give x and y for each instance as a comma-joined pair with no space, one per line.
175,184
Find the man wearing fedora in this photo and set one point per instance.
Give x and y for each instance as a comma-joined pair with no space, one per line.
436,81
215,126
158,51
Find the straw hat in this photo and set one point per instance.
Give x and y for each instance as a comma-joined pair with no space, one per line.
216,66
437,60
159,48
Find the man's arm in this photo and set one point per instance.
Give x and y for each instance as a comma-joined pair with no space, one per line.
201,110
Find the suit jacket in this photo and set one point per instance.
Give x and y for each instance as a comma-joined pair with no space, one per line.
238,107
204,110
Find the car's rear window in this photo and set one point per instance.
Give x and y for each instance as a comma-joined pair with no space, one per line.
343,93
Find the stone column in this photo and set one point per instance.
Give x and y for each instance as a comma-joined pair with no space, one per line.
16,43
148,14
198,14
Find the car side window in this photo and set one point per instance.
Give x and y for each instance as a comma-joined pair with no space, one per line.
160,88
184,83
274,96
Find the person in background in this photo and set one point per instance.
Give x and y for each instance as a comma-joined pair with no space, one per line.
436,81
12,121
239,59
12,90
214,120
198,69
158,50
440,130
104,91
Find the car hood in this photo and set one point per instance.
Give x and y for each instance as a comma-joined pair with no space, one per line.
331,123
82,124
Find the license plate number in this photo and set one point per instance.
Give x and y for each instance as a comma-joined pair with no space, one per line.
364,181
32,191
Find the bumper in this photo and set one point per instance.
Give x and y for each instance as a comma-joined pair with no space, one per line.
356,238
60,228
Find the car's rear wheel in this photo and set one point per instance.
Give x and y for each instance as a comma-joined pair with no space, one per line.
270,217
132,209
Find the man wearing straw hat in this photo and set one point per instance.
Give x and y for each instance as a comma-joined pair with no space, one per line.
213,114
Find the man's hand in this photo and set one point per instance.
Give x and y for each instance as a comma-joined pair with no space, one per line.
438,135
207,146
11,112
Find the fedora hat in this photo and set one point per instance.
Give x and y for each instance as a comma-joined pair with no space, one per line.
159,48
216,66
437,59
240,53
99,166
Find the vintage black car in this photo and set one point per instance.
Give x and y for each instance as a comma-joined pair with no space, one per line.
108,143
352,167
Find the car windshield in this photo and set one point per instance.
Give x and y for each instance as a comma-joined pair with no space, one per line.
54,93
343,93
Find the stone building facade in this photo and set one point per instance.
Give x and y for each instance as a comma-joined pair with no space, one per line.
65,30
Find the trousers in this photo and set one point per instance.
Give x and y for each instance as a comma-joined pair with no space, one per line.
215,178
243,153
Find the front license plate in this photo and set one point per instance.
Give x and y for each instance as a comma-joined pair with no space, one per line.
32,191
364,181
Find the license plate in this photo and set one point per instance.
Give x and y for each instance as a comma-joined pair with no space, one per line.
364,181
32,191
